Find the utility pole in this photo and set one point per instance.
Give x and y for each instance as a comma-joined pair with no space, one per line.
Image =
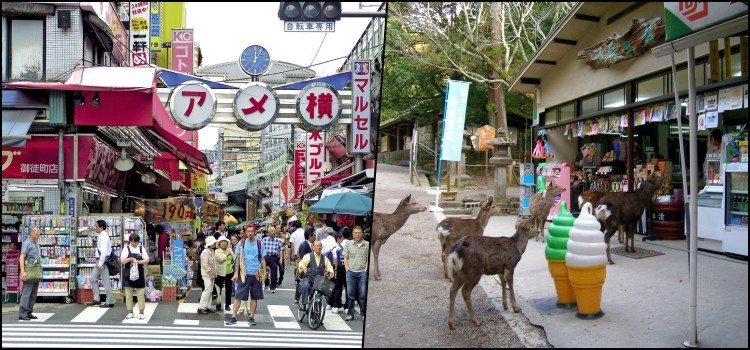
220,156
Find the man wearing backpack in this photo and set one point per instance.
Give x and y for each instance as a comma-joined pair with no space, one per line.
338,265
103,250
249,272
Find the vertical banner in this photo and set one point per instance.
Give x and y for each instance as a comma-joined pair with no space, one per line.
713,60
315,157
299,180
140,13
743,56
361,106
727,59
182,50
155,28
453,124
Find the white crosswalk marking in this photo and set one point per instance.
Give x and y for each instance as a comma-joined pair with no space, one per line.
187,322
188,308
77,336
90,314
282,317
334,322
41,317
150,308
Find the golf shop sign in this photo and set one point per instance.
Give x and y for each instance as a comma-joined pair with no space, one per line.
193,105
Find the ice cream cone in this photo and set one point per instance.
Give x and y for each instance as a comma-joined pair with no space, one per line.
565,294
587,283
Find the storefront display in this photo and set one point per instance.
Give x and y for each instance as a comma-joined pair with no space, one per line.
736,206
87,248
560,174
58,247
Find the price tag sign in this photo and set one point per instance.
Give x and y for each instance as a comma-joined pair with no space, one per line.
175,210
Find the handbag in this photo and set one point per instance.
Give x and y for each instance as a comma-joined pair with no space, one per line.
133,270
215,299
33,271
113,264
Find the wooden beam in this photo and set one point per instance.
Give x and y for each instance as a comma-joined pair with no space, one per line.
582,17
551,63
624,12
564,41
532,81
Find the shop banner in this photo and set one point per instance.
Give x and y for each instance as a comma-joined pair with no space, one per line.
155,28
39,159
177,209
455,116
685,18
182,50
140,37
284,186
299,170
101,166
361,106
198,183
315,158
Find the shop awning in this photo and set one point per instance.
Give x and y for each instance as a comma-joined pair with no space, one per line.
188,154
16,124
161,188
338,81
174,78
140,79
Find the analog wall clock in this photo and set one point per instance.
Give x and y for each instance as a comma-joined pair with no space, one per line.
255,60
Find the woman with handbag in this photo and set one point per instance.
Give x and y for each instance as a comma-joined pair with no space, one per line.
208,273
31,274
221,254
134,257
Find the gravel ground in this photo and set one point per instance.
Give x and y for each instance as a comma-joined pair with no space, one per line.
408,307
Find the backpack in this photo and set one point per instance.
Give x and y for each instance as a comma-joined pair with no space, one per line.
340,260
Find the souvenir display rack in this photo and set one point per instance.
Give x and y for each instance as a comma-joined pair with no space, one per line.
527,188
86,254
58,248
560,174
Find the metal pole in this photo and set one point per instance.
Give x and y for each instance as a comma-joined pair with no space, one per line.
358,163
220,156
61,170
693,302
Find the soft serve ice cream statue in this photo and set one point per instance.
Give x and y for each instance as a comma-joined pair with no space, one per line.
587,263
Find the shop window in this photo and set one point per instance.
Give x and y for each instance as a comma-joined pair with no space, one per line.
23,54
614,99
550,117
567,112
682,77
650,88
590,105
736,66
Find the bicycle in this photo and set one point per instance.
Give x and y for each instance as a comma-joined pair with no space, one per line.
316,302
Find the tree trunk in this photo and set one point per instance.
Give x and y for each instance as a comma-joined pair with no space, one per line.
497,89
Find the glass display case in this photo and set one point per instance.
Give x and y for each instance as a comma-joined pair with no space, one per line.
736,209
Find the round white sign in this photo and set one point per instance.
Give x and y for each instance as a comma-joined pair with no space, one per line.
256,106
192,105
318,107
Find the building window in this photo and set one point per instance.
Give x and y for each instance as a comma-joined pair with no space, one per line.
614,99
590,105
550,117
567,112
682,77
650,88
23,54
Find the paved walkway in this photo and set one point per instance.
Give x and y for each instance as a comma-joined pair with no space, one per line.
645,301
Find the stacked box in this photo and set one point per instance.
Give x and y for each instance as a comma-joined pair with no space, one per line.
169,293
84,296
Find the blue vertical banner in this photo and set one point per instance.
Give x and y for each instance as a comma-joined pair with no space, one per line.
455,116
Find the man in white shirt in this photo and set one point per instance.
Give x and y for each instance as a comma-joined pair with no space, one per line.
329,243
298,237
103,249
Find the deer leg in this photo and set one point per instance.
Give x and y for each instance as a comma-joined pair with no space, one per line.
376,252
541,228
621,234
502,283
509,279
445,254
457,284
538,230
630,237
466,291
607,237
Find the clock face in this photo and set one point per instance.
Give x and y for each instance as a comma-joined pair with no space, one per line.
255,60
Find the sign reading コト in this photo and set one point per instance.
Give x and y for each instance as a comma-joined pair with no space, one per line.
361,107
182,50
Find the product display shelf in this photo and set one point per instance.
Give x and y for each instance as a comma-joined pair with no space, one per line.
10,241
560,174
527,189
57,250
87,250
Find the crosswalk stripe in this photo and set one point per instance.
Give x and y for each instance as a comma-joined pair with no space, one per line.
188,308
173,329
281,315
150,308
90,314
41,317
187,322
334,322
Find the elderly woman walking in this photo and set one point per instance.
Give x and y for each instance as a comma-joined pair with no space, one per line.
208,272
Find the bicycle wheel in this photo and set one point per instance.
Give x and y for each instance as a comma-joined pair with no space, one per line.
317,311
300,313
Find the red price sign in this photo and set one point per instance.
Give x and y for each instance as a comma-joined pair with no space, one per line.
176,211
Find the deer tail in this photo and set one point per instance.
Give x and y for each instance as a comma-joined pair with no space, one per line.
580,201
455,262
442,232
602,212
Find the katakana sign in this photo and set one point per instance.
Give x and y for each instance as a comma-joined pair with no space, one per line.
140,37
361,106
318,107
192,105
182,50
256,106
299,173
315,157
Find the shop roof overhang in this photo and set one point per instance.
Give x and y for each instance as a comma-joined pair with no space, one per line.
338,81
564,38
173,79
99,30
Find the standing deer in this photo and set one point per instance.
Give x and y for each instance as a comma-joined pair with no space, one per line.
625,209
475,256
593,197
384,225
451,230
540,204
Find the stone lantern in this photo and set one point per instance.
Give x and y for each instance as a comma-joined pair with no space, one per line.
501,159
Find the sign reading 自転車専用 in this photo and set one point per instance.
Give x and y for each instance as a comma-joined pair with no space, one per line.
685,18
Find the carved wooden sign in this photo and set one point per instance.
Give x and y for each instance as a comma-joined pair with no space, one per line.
642,36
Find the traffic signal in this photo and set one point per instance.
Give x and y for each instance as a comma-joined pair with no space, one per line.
310,11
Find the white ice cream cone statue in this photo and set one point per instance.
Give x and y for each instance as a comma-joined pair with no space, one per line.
587,263
557,248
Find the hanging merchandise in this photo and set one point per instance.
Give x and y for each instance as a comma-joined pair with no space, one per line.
547,148
657,113
579,130
539,151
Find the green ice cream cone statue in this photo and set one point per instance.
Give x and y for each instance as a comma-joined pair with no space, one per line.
557,247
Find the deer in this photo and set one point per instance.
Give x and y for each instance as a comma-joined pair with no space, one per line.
625,209
540,204
593,197
451,230
475,256
384,225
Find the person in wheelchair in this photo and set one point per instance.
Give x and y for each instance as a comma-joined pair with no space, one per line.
313,265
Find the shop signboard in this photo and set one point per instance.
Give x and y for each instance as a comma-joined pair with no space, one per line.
485,133
315,157
198,183
192,105
177,209
182,50
685,18
318,107
39,159
155,27
140,37
299,175
361,106
101,166
641,37
256,106
455,116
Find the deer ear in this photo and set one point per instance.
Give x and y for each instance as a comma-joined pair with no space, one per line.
490,199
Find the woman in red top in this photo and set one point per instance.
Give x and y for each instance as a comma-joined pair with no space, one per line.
162,244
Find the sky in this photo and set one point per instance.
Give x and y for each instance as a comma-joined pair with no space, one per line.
225,29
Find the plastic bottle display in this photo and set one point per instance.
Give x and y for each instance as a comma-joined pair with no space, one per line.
557,248
587,263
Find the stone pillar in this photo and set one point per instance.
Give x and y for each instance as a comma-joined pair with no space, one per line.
501,160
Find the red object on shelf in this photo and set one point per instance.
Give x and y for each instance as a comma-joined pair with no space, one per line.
169,293
84,296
